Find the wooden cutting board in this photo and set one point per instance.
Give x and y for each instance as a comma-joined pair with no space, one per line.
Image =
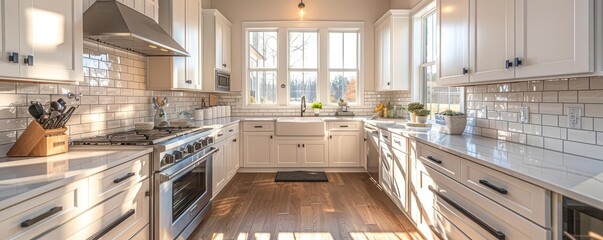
213,100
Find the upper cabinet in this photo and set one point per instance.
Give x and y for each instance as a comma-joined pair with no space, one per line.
41,40
150,8
486,41
217,36
392,51
183,20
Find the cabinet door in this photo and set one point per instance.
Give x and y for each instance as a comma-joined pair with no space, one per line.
9,37
193,41
556,39
344,149
257,149
226,47
385,169
219,43
399,185
378,56
51,33
453,30
314,154
287,153
218,170
492,40
236,155
386,55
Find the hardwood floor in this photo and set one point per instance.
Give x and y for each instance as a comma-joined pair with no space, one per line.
349,206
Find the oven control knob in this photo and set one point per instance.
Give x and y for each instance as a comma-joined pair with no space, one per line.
198,146
168,159
190,148
178,155
204,142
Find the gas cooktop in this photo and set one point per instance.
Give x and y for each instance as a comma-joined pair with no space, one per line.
139,137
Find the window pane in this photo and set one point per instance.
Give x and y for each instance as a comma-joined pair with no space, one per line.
303,50
350,50
336,50
343,85
303,83
263,49
262,87
429,38
440,98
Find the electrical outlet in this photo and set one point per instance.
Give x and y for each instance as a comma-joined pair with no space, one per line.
574,117
483,112
524,115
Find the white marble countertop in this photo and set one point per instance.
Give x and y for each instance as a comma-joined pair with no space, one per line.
573,176
24,178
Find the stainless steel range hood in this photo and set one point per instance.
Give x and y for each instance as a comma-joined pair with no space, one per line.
114,23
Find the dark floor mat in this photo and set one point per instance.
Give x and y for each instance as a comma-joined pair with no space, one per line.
301,176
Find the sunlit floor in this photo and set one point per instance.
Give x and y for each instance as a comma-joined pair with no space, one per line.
349,206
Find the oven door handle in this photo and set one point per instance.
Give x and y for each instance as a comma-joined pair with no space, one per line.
165,177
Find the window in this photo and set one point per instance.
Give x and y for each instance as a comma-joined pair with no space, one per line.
263,59
303,66
435,98
287,60
343,66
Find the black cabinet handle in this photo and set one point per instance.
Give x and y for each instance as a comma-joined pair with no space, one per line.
230,130
388,83
13,57
257,126
343,126
508,64
29,60
465,71
303,145
220,134
365,139
330,136
270,136
111,226
32,221
518,62
224,65
434,160
234,140
121,179
298,145
497,234
189,81
493,187
386,137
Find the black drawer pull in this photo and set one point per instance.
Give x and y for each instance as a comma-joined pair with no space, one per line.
298,145
257,126
497,234
234,140
29,60
13,57
343,126
121,179
32,221
303,145
396,141
434,160
111,226
220,134
386,137
230,130
493,187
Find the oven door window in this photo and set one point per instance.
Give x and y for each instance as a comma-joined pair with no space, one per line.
223,81
581,221
187,189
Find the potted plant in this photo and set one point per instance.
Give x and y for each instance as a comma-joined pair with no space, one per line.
412,107
451,122
421,115
342,102
316,106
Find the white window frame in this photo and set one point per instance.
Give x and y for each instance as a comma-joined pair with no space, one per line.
343,69
264,69
290,69
283,28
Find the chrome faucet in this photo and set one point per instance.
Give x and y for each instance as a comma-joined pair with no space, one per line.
303,105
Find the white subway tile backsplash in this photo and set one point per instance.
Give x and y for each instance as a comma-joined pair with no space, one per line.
568,97
519,87
553,144
550,120
587,150
579,84
535,141
553,132
593,110
594,96
598,124
551,108
596,83
535,86
600,138
581,136
549,97
556,85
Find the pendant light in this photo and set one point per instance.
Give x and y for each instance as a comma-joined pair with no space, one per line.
301,7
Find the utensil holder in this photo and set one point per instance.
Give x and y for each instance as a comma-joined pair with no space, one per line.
39,142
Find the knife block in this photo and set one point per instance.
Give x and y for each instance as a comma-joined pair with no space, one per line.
39,142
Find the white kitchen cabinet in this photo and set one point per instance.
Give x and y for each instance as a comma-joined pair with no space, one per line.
149,8
304,153
217,42
344,149
219,178
399,185
41,40
453,32
184,22
546,49
232,156
385,169
392,51
257,149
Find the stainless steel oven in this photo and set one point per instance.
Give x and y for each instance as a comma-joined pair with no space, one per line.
183,195
222,81
581,221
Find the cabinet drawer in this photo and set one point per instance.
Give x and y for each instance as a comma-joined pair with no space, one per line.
344,126
385,136
220,135
487,218
521,197
446,229
32,217
399,142
258,126
232,130
120,217
114,180
442,161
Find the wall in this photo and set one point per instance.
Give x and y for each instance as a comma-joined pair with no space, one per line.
548,103
114,97
355,10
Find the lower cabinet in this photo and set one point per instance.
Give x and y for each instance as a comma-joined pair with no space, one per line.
121,217
307,153
344,149
232,156
219,178
385,169
257,149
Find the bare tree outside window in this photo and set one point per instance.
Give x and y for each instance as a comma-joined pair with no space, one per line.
263,59
303,66
343,66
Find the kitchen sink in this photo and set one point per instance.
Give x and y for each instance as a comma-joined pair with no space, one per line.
300,126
